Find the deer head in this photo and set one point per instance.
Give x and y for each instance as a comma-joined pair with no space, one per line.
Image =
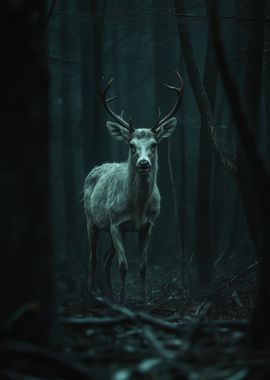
142,141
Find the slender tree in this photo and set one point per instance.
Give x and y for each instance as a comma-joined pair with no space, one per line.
87,83
67,134
183,192
252,195
205,260
97,47
252,99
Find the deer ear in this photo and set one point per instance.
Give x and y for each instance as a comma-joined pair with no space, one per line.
166,129
119,132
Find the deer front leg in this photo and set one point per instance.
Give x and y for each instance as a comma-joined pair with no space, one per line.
108,267
92,236
144,239
117,235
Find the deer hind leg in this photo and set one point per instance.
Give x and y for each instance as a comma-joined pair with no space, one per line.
118,238
92,236
108,267
144,239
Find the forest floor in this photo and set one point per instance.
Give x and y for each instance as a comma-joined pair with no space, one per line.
180,335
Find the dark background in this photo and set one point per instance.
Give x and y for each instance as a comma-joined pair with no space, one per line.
137,43
209,283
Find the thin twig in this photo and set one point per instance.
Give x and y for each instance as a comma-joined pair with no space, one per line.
226,284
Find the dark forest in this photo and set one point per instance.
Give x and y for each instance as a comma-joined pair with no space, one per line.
135,189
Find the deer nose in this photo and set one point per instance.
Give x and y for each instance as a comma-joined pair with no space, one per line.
144,164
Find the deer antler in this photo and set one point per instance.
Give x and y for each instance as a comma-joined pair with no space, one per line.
179,92
118,118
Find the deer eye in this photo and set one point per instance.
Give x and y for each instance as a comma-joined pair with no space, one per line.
132,147
153,146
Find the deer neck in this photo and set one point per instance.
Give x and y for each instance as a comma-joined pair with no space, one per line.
141,186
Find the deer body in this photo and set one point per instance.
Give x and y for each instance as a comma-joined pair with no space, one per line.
117,194
121,197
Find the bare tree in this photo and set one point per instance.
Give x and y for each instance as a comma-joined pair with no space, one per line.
249,170
253,178
205,263
205,260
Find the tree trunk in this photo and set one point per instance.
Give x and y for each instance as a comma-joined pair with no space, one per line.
252,99
67,133
87,91
254,183
97,23
183,196
91,74
205,260
199,92
26,261
250,189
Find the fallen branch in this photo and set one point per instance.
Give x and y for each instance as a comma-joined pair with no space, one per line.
141,317
157,322
156,345
93,321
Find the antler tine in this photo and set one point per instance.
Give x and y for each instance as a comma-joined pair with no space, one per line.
157,122
179,92
119,119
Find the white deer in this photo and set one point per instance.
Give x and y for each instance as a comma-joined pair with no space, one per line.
121,197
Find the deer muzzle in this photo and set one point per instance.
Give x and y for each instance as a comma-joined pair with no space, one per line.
143,165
